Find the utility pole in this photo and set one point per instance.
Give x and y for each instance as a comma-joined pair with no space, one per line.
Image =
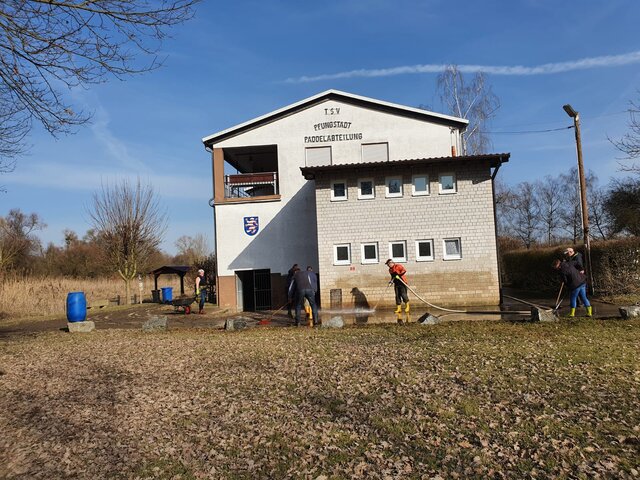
583,191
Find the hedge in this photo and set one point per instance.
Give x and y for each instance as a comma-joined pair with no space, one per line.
616,267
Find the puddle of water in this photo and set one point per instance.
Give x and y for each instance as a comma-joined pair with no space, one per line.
365,316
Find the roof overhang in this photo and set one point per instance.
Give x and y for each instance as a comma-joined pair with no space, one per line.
494,160
348,98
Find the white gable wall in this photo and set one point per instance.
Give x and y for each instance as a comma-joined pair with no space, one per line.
288,227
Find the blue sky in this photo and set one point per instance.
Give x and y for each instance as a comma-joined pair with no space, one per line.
238,60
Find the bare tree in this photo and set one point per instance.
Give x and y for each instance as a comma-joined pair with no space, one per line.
550,198
629,144
599,217
474,101
192,249
524,214
16,237
48,47
131,225
572,211
623,204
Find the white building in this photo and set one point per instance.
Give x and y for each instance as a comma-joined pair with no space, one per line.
340,182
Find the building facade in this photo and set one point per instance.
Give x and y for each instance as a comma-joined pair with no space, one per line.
342,182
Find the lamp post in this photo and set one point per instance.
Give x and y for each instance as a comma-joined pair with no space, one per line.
583,191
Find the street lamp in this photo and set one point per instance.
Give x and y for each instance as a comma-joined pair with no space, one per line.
583,190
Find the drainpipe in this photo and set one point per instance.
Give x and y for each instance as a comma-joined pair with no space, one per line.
215,232
495,227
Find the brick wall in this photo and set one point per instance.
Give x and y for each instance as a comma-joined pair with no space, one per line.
467,214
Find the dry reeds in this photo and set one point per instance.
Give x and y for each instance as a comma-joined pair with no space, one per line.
33,296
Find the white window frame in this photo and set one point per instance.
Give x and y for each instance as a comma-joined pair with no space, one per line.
362,196
446,256
423,258
335,254
448,191
386,187
346,191
404,246
369,260
413,185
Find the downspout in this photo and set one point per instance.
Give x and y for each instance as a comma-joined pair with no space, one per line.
495,228
215,230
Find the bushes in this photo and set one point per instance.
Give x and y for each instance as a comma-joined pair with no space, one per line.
616,267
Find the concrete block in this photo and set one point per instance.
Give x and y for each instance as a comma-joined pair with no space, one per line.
428,319
81,327
539,315
632,311
333,322
237,323
155,323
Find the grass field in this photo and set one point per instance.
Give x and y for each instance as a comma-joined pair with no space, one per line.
454,400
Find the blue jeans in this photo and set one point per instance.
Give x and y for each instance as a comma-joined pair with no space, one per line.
203,297
310,295
581,292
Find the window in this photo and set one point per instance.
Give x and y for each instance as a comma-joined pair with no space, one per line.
424,250
366,189
318,156
448,183
369,253
452,249
375,152
394,186
398,251
338,190
342,254
420,185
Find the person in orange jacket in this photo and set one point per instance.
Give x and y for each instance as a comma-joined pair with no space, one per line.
399,280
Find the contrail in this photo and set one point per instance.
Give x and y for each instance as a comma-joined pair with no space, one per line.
544,69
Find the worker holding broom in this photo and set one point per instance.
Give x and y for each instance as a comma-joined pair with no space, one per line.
399,281
576,282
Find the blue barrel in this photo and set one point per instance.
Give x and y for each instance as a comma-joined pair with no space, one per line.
167,294
76,307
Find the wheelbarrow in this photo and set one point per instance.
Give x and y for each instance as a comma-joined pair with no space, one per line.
183,303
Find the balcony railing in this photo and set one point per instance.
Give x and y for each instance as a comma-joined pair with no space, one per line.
247,185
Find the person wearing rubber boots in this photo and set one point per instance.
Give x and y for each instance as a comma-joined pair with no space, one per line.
399,280
304,286
201,290
576,282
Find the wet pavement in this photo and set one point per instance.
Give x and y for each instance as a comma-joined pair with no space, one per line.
133,317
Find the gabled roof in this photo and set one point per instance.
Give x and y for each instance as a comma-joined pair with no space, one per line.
494,159
344,97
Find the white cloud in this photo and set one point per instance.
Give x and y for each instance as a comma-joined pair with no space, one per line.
545,69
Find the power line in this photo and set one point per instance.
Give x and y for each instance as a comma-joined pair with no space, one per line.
530,131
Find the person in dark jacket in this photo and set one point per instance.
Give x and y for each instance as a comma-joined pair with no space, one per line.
576,283
290,273
303,286
575,258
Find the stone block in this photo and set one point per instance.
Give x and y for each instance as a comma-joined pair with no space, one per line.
428,319
81,327
631,311
236,323
540,315
333,322
155,323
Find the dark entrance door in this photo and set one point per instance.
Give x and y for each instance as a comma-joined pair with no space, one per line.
253,288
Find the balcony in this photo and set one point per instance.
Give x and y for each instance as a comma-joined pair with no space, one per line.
250,185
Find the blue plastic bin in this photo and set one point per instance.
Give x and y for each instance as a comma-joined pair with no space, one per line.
167,294
76,307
